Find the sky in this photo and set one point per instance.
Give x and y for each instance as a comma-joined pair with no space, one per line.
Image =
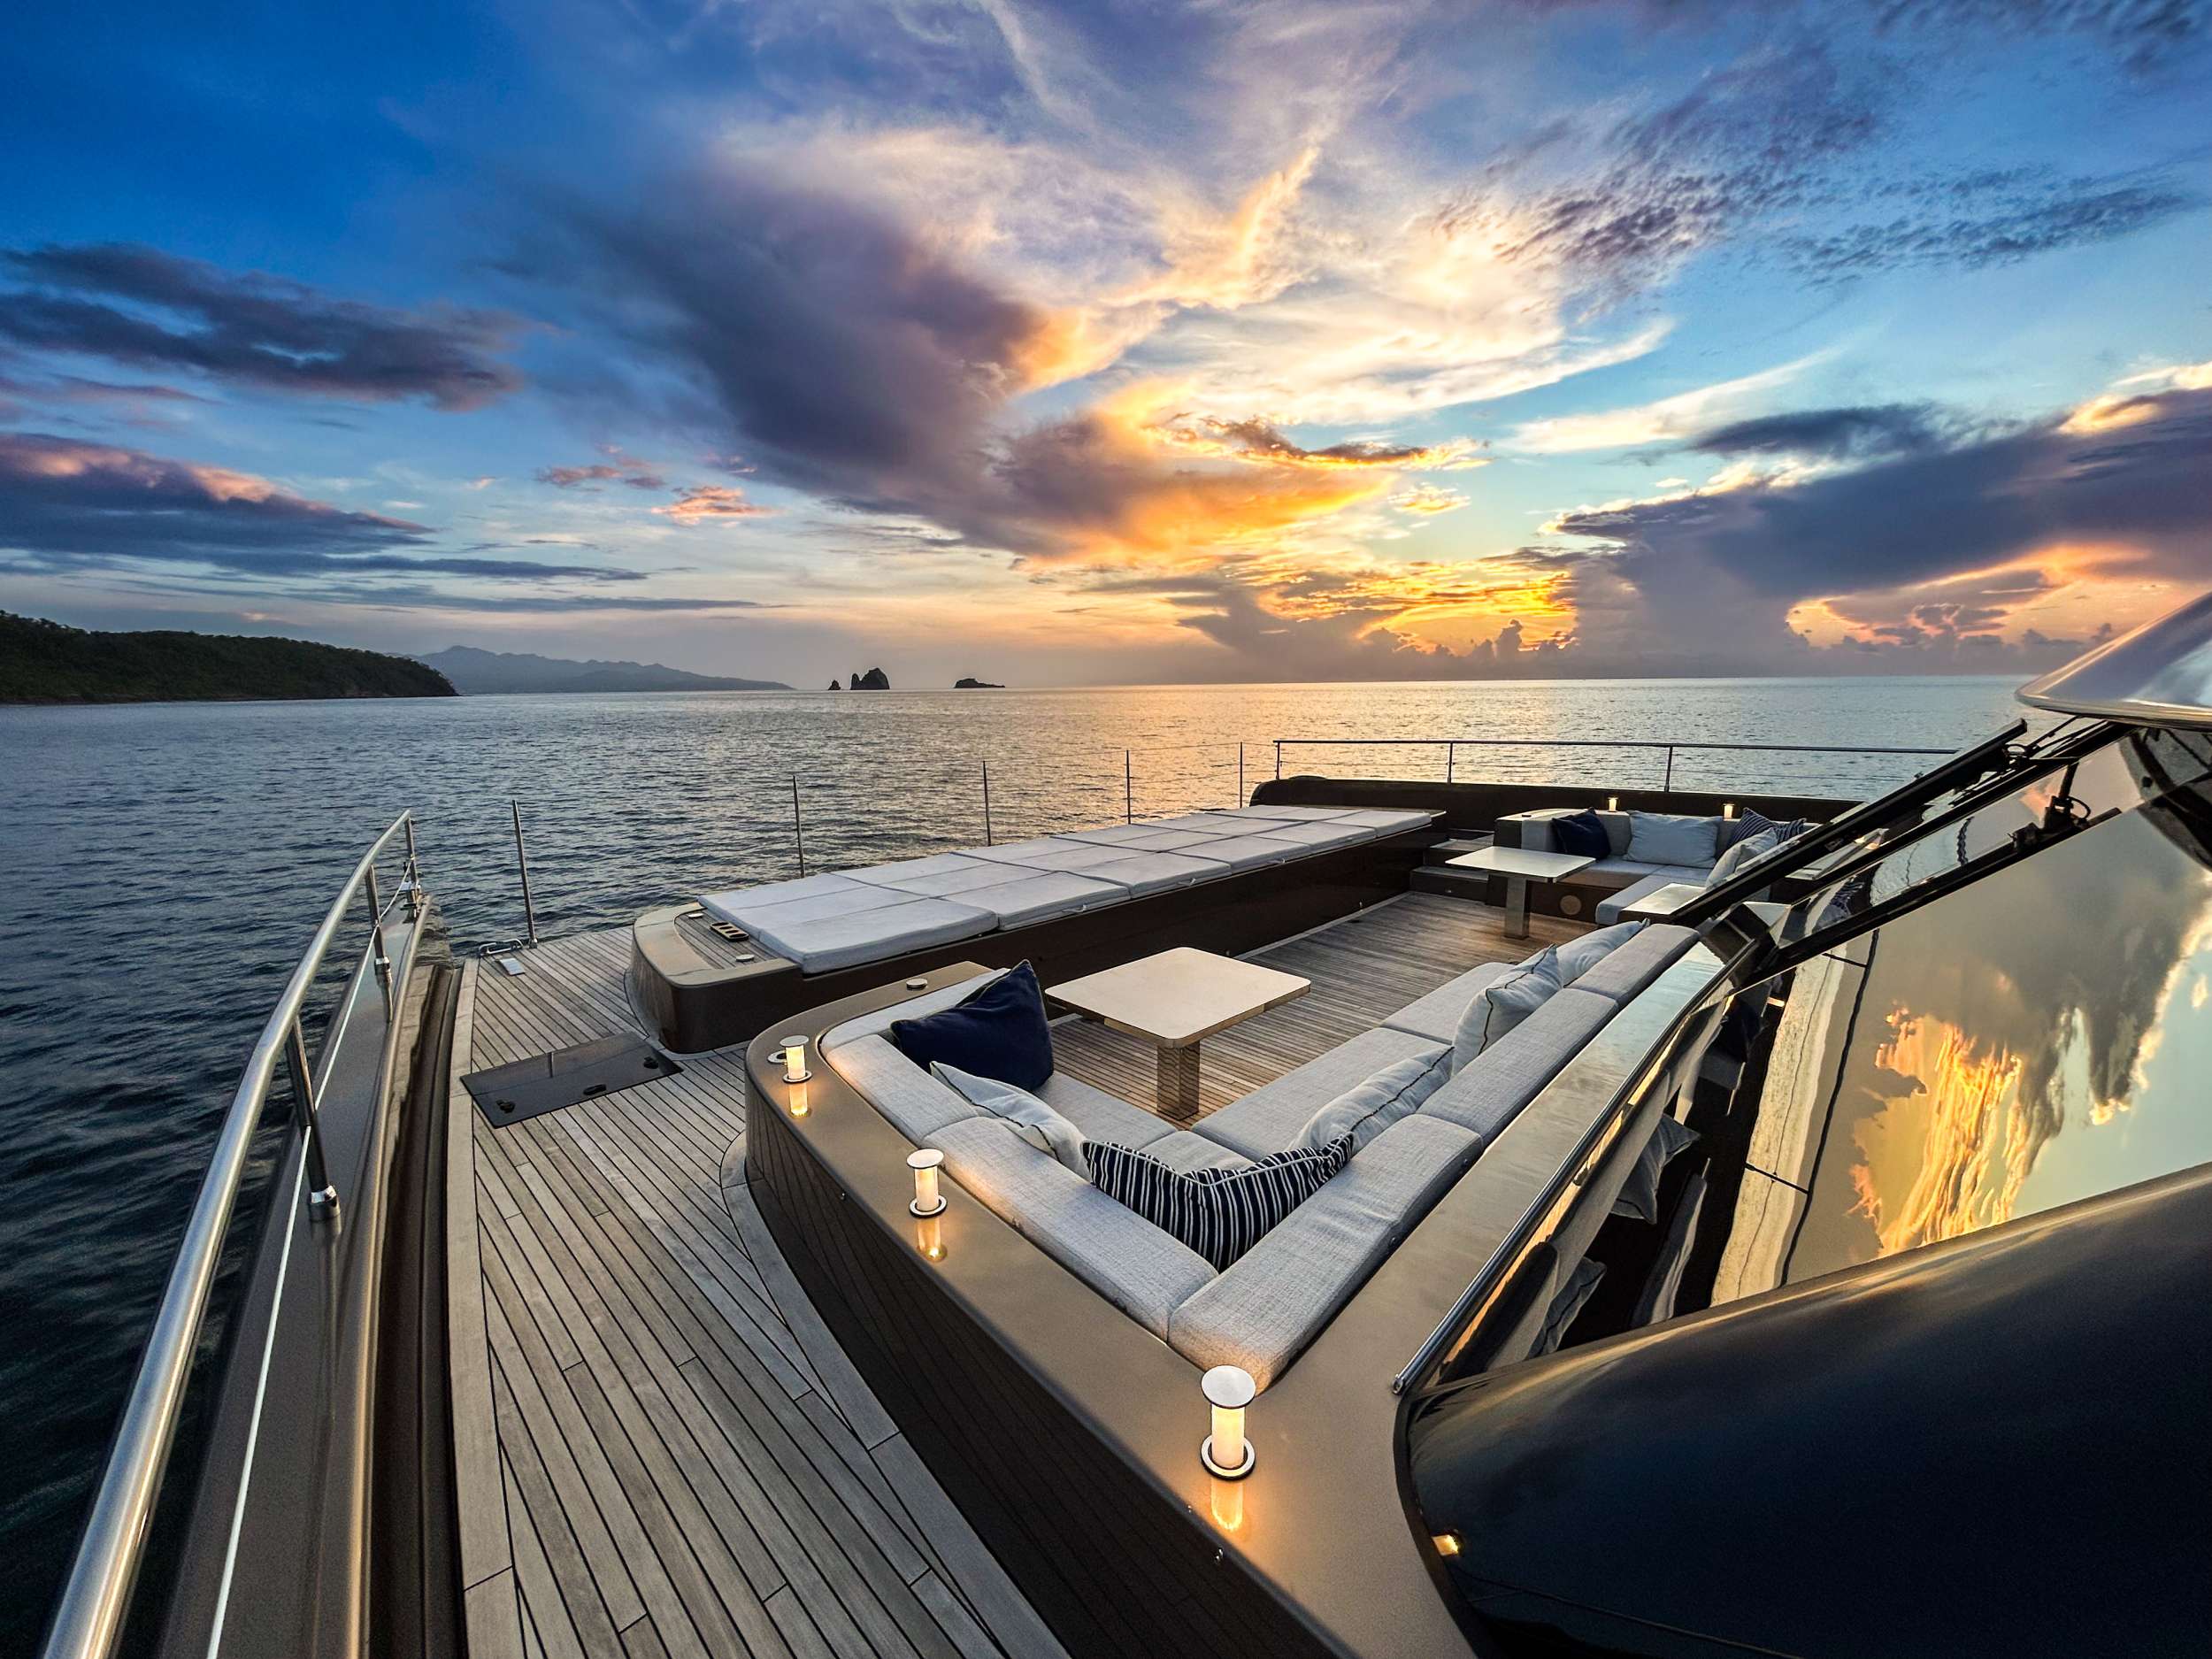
1116,342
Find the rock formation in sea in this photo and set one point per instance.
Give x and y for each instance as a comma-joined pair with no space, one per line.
835,687
874,680
966,684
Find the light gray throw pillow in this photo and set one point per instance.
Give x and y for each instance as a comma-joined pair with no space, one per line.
1020,1110
1667,838
1510,999
1366,1110
1750,847
1579,955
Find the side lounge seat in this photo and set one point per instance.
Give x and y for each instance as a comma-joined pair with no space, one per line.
1272,1300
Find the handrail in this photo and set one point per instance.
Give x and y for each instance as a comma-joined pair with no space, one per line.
89,1617
1451,746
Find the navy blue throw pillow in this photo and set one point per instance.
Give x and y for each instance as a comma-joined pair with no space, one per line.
1581,834
999,1032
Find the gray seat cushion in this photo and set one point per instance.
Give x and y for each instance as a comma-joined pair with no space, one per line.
820,944
727,905
1269,1118
915,1104
757,909
1190,1153
1488,1092
1101,1116
1637,964
1148,873
1436,1016
1110,834
1290,814
1170,840
1272,1301
1127,1260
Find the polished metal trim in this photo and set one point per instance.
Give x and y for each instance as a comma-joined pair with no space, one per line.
89,1617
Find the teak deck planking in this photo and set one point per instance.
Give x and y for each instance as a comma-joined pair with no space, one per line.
659,1448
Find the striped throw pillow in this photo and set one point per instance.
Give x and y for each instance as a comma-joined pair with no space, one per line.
1218,1213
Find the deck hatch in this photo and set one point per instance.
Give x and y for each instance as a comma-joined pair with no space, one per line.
547,1082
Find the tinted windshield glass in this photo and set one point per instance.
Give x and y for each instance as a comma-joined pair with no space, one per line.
2040,1036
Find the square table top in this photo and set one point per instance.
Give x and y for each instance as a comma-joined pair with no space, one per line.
1519,861
1178,996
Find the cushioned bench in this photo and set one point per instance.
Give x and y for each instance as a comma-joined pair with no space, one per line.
828,922
1271,1300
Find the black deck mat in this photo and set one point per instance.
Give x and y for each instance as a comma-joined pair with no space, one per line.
547,1082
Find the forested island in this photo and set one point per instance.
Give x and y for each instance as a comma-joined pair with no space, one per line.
45,662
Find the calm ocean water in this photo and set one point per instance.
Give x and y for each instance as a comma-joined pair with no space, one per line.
165,865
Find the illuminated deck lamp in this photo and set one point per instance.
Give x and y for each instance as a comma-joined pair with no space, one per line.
1728,808
924,1161
1226,1452
1612,803
793,1058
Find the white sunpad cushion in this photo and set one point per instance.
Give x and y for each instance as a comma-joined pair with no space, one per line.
1161,840
1148,873
1318,834
1037,895
1390,818
1293,814
821,944
1205,823
1111,833
937,878
761,916
1048,852
1249,852
727,905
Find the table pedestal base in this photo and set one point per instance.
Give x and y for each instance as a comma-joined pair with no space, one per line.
1178,1082
1516,907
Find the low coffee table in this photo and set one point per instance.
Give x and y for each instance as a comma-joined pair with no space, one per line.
1175,1001
1519,867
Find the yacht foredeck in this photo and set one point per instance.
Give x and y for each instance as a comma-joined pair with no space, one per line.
660,1449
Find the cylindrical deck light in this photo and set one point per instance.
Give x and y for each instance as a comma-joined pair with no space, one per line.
1226,1452
1728,808
929,1236
1612,803
795,1060
924,1161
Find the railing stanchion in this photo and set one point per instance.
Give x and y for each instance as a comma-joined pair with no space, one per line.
1128,791
522,862
1451,758
322,1197
798,827
986,803
381,963
1239,774
414,876
1667,788
1278,757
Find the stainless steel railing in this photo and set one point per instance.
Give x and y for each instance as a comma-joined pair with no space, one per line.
1451,745
89,1618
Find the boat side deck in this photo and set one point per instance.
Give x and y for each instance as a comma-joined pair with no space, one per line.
660,1449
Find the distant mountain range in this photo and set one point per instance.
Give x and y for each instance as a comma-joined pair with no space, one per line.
44,662
482,673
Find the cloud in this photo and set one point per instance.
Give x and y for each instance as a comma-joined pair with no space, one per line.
2022,223
700,503
139,306
1669,418
1428,500
1838,434
1978,504
65,503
